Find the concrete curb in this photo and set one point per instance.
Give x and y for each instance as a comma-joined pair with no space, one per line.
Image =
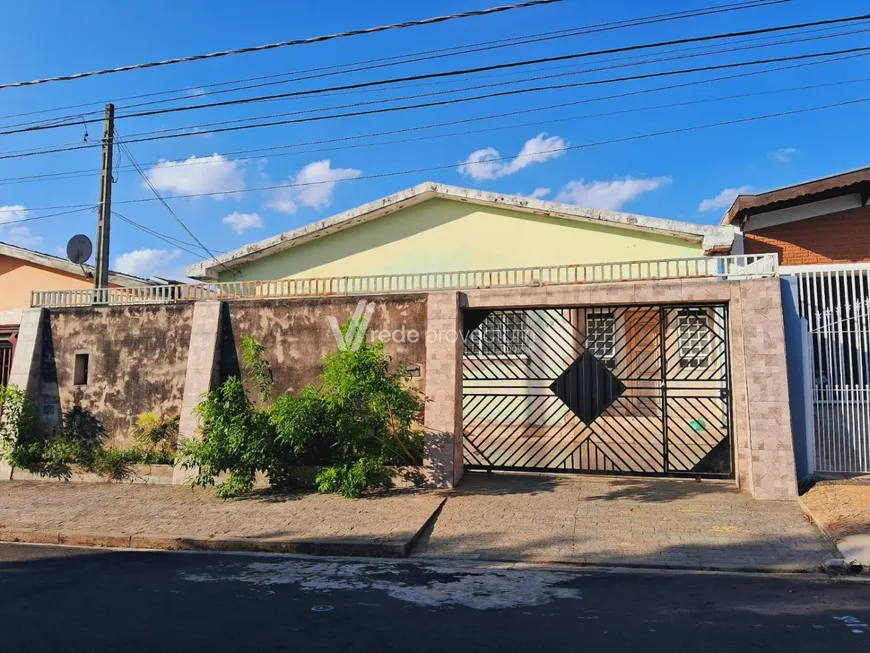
348,548
846,555
183,543
815,521
650,564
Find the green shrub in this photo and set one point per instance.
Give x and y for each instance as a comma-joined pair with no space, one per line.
237,439
360,418
351,479
155,439
19,427
357,419
256,366
113,464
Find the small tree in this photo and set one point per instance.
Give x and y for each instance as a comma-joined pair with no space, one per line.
19,427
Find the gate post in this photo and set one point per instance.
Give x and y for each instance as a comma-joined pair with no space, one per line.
442,456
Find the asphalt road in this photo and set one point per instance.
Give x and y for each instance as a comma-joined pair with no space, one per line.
64,599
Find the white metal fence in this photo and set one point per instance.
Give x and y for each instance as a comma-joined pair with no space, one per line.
835,301
723,267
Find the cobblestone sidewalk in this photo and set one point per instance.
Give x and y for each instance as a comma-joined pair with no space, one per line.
660,523
175,517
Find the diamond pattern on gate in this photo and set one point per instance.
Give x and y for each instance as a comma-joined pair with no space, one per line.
588,388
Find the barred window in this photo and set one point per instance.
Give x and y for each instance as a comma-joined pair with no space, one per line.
601,336
696,338
500,334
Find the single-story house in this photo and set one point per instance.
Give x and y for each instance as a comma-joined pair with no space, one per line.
439,228
24,270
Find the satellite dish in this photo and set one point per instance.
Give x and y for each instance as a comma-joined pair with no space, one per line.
79,249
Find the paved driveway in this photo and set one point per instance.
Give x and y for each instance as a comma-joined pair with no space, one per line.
645,522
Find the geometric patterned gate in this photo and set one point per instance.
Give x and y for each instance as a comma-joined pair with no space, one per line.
611,390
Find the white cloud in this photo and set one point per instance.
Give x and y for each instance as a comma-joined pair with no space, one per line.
482,164
478,165
195,175
538,193
315,187
16,234
12,213
608,194
724,199
239,222
145,262
783,154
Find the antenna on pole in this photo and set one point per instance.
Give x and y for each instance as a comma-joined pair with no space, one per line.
101,276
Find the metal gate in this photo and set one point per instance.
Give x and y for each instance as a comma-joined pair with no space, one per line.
618,390
835,301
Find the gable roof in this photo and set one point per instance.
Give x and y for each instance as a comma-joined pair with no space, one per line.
63,265
845,183
713,238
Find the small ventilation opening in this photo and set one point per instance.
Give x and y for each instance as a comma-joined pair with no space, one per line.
80,375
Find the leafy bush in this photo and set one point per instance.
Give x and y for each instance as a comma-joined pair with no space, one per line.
19,427
357,419
360,418
155,438
256,366
237,439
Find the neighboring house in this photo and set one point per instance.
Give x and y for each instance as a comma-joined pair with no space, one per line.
821,231
814,223
433,228
24,270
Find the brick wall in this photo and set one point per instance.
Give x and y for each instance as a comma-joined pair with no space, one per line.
837,238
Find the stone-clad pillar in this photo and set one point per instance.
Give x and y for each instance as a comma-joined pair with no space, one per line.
443,417
27,362
203,366
765,447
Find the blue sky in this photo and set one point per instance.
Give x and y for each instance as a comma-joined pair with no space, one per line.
689,176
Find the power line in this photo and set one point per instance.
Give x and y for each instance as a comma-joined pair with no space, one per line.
465,71
500,66
122,144
282,44
520,155
75,208
632,61
480,47
567,148
199,126
457,100
341,142
462,49
487,96
174,242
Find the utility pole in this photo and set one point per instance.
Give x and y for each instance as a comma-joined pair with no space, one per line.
101,278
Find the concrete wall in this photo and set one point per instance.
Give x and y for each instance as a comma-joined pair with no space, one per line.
141,357
444,235
297,334
137,361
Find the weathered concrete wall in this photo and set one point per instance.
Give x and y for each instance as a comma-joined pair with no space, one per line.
137,362
297,334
